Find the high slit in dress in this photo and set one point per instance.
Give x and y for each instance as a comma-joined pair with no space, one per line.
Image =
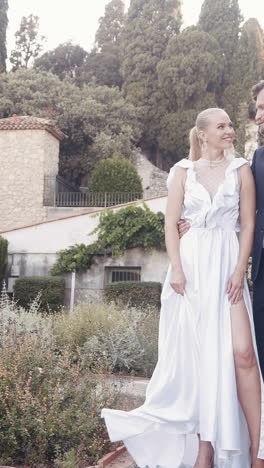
193,388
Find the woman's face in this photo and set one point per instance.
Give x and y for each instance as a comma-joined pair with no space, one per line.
220,132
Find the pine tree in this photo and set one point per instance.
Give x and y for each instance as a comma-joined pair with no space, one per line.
28,42
111,24
191,71
3,28
102,65
150,24
247,67
222,19
190,75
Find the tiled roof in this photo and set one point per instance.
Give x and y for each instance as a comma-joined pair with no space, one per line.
27,122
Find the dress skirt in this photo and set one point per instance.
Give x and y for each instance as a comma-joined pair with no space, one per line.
193,387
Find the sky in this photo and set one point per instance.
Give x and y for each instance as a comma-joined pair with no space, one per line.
64,20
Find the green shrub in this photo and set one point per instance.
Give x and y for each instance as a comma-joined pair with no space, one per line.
51,289
49,401
111,337
49,406
133,226
115,175
134,293
3,257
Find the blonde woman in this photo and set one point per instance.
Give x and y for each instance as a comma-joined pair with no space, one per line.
203,402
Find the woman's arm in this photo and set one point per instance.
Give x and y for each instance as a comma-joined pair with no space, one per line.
247,223
172,216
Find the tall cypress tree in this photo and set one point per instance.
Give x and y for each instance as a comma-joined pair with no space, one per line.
222,19
111,24
190,76
247,66
103,63
149,27
3,28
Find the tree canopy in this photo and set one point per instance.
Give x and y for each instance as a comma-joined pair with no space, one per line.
111,24
29,42
63,61
150,24
142,84
97,119
222,19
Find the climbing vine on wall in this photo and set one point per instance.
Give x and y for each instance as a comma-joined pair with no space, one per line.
133,226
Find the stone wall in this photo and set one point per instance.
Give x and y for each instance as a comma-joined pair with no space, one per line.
89,286
153,178
26,156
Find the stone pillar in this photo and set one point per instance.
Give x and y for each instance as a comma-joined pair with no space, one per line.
29,151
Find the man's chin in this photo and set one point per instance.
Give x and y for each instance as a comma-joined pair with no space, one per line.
261,129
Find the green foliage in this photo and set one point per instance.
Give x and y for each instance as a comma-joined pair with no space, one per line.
3,257
194,53
101,67
126,228
190,75
111,337
111,24
51,389
130,227
3,29
173,139
51,289
97,119
78,257
149,26
246,70
49,404
64,60
222,19
115,175
134,293
28,42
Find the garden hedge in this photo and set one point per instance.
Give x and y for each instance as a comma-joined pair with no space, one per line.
51,288
134,293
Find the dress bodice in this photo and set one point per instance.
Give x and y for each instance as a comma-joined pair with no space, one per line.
204,211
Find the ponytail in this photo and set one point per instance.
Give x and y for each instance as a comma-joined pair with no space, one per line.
195,146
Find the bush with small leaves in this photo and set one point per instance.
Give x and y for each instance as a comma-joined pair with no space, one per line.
115,174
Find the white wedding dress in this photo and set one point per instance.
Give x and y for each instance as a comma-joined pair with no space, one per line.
193,388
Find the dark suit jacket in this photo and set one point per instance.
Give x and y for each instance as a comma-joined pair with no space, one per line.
258,172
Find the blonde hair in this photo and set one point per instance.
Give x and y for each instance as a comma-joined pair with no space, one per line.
201,124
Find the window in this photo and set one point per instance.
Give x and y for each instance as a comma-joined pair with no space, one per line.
114,274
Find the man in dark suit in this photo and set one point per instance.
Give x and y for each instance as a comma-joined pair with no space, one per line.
258,251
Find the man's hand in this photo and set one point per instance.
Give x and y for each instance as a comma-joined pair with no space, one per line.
183,227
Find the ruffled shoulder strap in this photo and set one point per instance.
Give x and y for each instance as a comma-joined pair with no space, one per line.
184,163
237,163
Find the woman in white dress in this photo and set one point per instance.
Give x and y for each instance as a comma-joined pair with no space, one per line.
204,402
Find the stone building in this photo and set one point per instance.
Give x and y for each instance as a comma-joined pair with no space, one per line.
29,152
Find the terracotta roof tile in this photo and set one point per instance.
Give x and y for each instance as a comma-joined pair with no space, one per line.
27,122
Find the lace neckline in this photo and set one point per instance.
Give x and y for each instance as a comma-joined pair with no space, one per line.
209,163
